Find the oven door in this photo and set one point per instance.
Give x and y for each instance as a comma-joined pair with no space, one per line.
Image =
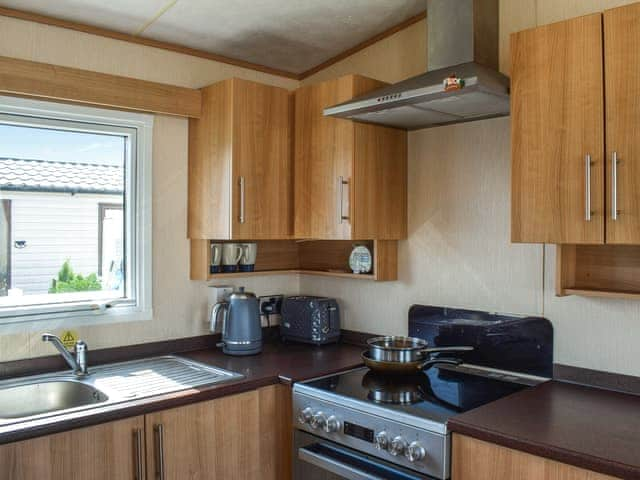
315,458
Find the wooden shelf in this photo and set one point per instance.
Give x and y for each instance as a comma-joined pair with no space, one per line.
307,257
601,293
357,276
362,276
261,273
611,271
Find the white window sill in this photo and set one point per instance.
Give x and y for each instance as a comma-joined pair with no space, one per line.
13,325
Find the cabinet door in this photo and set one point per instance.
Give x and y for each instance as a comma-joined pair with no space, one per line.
557,121
379,193
238,437
324,157
622,91
109,451
262,171
477,460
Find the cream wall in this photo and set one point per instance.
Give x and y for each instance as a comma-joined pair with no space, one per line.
179,304
458,252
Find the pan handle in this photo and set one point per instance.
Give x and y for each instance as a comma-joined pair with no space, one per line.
440,361
445,349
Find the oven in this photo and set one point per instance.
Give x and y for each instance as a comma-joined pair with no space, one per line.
315,458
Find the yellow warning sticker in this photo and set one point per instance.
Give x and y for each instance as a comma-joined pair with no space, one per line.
69,338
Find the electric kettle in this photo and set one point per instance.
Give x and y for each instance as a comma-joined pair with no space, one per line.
241,328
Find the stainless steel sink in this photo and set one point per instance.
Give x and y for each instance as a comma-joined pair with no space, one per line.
31,399
61,393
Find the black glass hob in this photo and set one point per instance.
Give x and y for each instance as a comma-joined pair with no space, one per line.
436,394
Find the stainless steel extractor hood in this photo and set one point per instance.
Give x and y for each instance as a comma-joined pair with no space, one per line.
462,43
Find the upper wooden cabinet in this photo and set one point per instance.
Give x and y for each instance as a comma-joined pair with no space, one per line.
557,131
350,178
240,163
622,91
569,186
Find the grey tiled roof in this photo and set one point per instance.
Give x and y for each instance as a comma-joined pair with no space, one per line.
47,176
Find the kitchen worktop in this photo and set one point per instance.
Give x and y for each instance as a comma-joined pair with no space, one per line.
587,427
277,363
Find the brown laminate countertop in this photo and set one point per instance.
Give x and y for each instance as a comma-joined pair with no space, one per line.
587,427
276,364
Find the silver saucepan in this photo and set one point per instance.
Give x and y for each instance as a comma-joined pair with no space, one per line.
405,349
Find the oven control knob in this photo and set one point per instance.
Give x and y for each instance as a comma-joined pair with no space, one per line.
415,452
304,415
319,420
332,424
381,440
398,446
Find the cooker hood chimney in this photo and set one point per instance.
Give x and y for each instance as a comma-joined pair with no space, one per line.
462,82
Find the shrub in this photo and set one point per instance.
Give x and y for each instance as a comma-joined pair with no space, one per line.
68,281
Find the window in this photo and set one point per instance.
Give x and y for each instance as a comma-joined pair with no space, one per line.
75,219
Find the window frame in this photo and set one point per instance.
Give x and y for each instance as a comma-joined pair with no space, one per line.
102,209
137,305
6,207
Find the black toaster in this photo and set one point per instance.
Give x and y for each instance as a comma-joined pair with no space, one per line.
310,319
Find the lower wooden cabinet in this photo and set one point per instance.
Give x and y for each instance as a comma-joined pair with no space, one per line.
239,437
104,452
477,460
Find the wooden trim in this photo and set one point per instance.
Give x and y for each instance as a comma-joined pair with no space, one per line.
104,32
52,82
385,253
361,45
200,259
172,47
565,268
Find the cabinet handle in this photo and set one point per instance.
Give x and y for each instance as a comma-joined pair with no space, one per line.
587,189
614,186
341,183
137,438
158,430
241,217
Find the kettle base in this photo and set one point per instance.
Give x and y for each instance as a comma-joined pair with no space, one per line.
240,353
242,350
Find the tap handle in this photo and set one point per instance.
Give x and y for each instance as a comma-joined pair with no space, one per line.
81,350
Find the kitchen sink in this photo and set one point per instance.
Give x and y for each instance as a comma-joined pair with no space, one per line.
60,393
44,397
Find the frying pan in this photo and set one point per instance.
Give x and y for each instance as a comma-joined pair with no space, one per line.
405,349
404,368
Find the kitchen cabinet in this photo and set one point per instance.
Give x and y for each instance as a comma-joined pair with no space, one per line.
103,452
622,89
241,437
575,153
237,437
350,178
240,163
571,82
557,128
477,460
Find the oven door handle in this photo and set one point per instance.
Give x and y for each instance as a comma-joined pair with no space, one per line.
343,470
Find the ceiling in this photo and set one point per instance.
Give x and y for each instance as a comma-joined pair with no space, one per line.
290,35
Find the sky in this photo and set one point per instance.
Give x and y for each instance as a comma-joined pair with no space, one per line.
60,146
